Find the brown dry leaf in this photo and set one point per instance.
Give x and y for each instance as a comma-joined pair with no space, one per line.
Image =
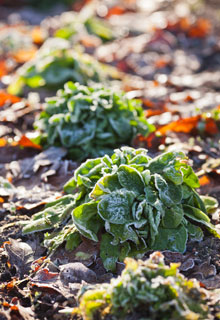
211,126
152,141
20,255
86,253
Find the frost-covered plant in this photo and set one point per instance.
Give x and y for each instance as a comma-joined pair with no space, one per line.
145,290
54,64
91,121
71,25
131,203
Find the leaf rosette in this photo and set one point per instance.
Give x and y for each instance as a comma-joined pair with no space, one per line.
91,121
132,203
145,290
54,64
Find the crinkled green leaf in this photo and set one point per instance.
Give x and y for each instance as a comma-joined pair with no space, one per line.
130,179
108,252
86,220
171,239
122,233
173,217
116,207
190,178
210,203
195,232
107,184
197,213
54,214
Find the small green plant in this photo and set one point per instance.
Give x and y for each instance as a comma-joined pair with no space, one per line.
90,121
54,64
145,290
131,203
72,24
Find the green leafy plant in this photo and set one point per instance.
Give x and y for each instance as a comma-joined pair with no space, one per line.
131,203
145,290
54,64
90,121
73,24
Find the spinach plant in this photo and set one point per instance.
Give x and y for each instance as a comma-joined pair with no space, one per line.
72,25
90,121
54,64
145,290
131,203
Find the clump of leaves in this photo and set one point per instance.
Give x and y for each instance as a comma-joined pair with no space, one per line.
146,290
90,121
12,40
72,24
54,64
131,203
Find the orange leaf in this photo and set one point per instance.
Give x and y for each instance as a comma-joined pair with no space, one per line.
211,126
204,180
117,10
6,97
148,103
3,142
4,69
188,98
152,141
182,125
161,63
5,304
25,142
200,29
45,274
15,308
24,55
150,113
37,35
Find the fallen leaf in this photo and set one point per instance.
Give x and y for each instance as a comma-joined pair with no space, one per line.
204,180
182,125
200,29
37,35
24,55
20,255
117,10
7,98
26,142
152,141
4,69
76,273
3,142
211,126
